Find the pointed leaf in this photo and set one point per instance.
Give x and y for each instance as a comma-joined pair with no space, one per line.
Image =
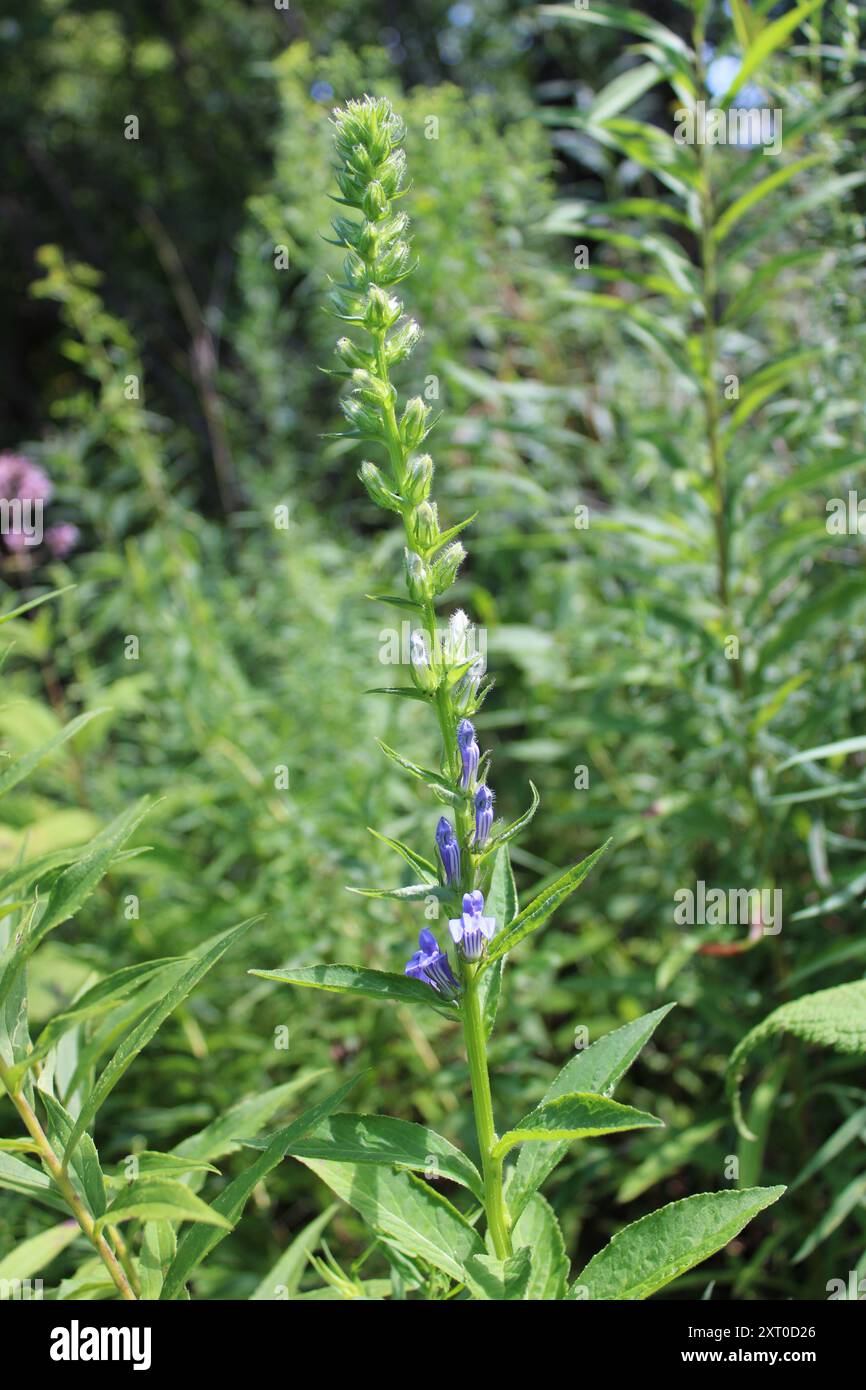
160,1199
348,979
581,1115
543,907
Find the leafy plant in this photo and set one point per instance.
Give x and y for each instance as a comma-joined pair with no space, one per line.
364,1159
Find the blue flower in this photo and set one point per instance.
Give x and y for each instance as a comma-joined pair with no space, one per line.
483,816
471,931
449,850
469,752
431,966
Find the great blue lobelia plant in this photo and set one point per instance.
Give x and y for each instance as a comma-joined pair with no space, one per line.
369,1160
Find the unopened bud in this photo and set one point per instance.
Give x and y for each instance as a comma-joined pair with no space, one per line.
417,578
446,567
382,310
419,476
374,203
376,485
425,525
413,422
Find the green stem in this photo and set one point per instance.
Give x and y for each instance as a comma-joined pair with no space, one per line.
482,1104
64,1183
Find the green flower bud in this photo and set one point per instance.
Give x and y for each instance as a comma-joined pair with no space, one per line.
446,567
418,579
400,344
425,525
376,485
419,476
423,673
382,310
413,422
363,418
371,388
374,204
352,354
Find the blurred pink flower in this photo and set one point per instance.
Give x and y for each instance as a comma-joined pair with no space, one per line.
62,538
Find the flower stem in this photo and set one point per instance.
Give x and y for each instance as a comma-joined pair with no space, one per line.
64,1183
482,1104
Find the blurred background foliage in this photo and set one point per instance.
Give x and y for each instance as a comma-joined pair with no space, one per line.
193,260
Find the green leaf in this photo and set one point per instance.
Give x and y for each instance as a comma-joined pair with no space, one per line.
851,1198
87,1172
581,1115
665,1244
158,1249
20,769
840,749
352,979
543,907
404,692
34,603
766,42
599,1068
500,1280
732,214
101,997
160,1199
831,1018
149,1026
76,883
16,1175
409,893
149,1164
538,1229
417,861
283,1279
426,775
226,1134
33,1255
197,1243
515,828
381,1139
404,1209
396,601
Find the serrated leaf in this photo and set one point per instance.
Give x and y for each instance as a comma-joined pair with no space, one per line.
541,908
833,1018
148,1027
538,1229
197,1242
660,1247
580,1115
405,1209
599,1068
348,1138
160,1199
353,979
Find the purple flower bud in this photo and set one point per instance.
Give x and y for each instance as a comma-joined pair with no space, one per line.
483,816
471,931
449,850
431,966
469,752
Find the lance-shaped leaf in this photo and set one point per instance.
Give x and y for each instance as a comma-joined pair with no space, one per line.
148,1027
409,893
580,1115
434,780
403,692
198,1242
599,1068
17,771
541,908
665,1244
382,1139
417,861
157,1199
509,832
501,904
830,1018
32,1255
405,1209
353,979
